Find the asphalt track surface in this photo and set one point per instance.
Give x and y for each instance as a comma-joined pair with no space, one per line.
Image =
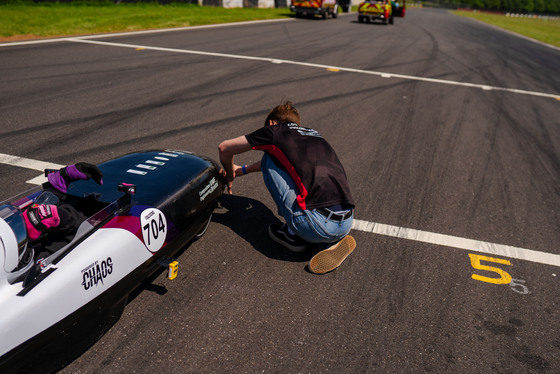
426,159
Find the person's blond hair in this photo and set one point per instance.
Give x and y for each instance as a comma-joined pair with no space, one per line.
283,113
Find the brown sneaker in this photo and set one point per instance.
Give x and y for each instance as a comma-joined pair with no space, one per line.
331,258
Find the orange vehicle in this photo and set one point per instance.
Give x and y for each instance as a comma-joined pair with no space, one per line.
323,8
371,10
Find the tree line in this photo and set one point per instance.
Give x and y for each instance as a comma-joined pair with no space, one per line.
517,6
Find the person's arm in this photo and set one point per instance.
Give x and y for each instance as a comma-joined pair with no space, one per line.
252,168
229,148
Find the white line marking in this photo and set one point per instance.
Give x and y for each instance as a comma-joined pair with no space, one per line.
320,66
371,227
140,32
457,242
39,180
29,164
272,60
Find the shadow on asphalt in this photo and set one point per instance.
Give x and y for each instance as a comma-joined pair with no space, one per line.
249,218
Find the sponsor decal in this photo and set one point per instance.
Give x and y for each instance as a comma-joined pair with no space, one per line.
133,171
159,163
95,273
304,131
168,154
210,187
154,228
142,166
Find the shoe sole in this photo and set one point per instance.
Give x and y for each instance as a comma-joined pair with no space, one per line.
284,244
329,259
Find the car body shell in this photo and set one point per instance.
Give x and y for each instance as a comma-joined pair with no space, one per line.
165,201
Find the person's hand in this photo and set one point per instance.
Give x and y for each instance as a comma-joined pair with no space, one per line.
227,180
80,171
39,219
83,171
237,170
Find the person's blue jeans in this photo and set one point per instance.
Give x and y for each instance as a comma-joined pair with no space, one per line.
310,225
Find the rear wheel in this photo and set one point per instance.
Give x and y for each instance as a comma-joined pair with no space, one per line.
204,229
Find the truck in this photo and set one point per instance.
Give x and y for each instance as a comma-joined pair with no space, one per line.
371,10
323,8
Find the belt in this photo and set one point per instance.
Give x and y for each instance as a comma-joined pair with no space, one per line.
335,216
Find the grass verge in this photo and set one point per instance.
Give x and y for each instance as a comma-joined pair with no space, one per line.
544,30
24,20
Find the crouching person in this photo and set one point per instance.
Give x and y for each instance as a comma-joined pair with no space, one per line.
307,182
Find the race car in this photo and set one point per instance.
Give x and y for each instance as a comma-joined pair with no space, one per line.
151,205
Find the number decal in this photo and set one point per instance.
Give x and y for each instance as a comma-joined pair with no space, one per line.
504,278
518,285
154,229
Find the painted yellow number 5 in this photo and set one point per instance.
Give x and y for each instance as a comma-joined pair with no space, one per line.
505,278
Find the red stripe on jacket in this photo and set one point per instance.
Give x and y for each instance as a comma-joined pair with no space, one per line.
280,156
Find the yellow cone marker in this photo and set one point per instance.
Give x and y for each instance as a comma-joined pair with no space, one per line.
173,269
